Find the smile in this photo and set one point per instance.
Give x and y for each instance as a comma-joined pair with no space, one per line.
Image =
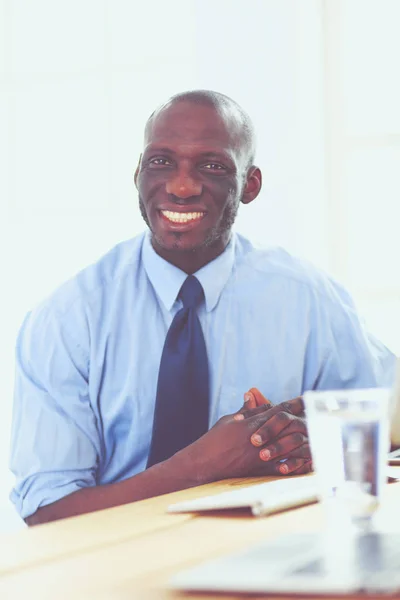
180,217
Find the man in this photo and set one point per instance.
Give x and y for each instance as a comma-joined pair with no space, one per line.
124,369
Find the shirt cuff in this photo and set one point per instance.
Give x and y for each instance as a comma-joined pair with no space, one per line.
46,488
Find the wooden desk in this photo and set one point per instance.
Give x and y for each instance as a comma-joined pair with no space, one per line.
131,551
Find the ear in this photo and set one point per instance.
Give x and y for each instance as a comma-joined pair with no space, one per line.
135,177
253,185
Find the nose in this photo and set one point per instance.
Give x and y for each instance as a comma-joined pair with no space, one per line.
182,185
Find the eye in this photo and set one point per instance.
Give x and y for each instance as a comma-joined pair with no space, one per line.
214,167
160,162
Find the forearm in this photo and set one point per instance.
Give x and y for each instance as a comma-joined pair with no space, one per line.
170,476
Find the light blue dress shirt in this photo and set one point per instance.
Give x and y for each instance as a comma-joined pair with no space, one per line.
87,358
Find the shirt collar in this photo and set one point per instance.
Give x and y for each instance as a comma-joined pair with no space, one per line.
167,279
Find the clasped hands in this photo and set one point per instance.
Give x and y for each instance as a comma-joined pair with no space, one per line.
282,438
260,439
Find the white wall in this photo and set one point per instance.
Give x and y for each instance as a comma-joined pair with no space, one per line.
362,49
78,80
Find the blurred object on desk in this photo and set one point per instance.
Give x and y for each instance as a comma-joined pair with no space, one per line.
395,417
393,472
263,499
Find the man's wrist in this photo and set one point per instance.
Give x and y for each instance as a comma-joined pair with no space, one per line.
187,466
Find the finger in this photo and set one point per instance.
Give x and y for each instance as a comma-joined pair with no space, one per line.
303,451
291,465
259,398
306,468
285,447
293,407
245,413
262,469
248,405
294,467
271,428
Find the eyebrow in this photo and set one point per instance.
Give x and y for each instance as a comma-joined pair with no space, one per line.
218,155
152,149
210,154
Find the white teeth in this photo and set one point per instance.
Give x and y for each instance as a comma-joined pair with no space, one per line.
178,217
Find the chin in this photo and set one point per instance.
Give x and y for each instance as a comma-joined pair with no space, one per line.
178,241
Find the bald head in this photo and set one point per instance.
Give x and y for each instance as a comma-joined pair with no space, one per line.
235,118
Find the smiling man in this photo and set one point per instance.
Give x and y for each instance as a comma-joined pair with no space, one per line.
130,378
196,168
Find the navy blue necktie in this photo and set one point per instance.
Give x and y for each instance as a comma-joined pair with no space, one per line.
182,403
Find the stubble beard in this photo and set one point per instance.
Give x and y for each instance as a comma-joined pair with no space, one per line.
220,231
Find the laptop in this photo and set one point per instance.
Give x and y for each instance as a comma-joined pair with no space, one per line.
294,564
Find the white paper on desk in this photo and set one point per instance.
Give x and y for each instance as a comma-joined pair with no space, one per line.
262,499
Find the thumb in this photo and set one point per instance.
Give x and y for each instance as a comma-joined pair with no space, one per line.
249,400
253,399
258,397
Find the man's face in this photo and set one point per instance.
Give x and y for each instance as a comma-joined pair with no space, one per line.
191,178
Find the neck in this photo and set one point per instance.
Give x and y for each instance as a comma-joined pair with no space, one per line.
190,261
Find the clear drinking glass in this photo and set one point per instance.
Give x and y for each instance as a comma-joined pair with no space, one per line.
349,438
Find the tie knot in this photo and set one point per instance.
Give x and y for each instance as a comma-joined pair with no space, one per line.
191,292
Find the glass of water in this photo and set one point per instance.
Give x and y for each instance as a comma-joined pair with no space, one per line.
349,438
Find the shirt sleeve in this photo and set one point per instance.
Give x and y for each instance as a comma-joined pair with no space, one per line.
54,438
341,353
